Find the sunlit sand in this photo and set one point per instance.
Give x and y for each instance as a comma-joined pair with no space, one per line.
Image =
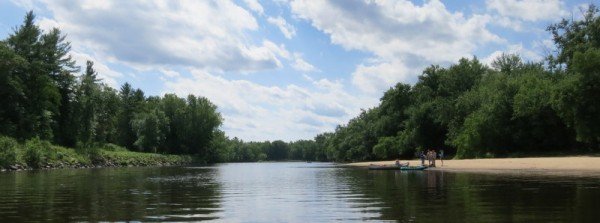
552,165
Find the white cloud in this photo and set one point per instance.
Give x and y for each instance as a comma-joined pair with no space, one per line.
47,24
170,73
287,29
106,74
380,76
517,49
204,34
257,112
301,65
528,10
510,23
26,4
278,50
255,6
402,36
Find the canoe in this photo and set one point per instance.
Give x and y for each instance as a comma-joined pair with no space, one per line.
374,167
413,167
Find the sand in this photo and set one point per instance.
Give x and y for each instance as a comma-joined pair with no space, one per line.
559,165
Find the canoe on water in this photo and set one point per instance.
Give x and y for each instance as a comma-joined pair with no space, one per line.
390,167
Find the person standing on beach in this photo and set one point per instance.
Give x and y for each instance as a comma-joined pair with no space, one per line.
433,157
422,156
442,156
428,157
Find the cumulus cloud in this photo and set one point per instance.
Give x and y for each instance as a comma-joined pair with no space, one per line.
528,10
287,29
396,32
506,22
204,34
26,4
287,113
255,6
105,73
301,65
517,49
377,77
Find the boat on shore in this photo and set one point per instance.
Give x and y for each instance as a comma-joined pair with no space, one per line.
393,167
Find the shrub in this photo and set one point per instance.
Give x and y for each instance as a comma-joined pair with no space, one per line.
8,151
113,148
36,152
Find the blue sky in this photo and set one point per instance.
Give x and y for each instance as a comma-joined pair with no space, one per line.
288,70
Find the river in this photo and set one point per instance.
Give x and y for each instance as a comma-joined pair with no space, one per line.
293,192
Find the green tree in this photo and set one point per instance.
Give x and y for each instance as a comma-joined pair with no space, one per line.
88,98
572,36
173,108
577,97
149,131
131,103
12,92
200,121
42,98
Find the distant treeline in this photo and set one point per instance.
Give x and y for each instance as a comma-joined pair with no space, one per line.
467,109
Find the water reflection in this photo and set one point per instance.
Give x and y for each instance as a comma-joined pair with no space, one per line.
292,192
111,194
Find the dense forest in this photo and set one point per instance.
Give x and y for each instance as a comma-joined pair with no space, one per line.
42,97
469,109
472,110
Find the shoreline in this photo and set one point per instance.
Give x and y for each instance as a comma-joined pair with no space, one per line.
544,165
18,167
70,159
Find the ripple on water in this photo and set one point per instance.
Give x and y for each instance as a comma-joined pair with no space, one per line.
291,192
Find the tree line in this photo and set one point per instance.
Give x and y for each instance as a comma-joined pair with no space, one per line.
43,97
469,109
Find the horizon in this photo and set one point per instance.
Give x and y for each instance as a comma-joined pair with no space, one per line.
280,70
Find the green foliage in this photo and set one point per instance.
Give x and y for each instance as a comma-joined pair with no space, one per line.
148,130
128,158
9,151
113,148
572,36
37,152
303,150
470,110
576,97
386,147
43,99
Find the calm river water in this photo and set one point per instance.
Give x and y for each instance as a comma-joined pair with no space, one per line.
293,192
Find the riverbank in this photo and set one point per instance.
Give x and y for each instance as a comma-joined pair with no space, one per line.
552,164
38,154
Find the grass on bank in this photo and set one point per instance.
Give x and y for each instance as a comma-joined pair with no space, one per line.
36,153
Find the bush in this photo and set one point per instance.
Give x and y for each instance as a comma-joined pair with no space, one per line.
113,148
37,152
8,151
91,151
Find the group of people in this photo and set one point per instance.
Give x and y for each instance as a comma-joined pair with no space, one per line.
431,155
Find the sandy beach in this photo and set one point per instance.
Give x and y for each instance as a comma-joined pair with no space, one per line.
551,165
